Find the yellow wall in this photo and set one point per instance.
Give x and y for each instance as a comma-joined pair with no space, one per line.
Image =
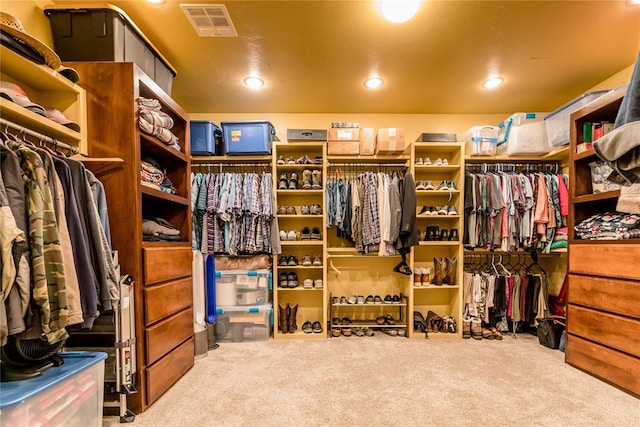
31,15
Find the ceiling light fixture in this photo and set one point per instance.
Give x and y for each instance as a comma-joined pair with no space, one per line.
254,82
157,1
633,2
398,11
373,82
492,83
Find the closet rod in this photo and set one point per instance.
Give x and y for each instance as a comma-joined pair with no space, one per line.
21,129
253,165
357,165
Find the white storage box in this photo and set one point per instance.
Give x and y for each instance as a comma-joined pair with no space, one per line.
237,324
242,287
481,140
557,122
523,133
66,395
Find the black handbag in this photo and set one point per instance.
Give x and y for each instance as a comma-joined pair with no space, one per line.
550,330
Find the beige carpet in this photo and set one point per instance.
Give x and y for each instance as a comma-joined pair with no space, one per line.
389,381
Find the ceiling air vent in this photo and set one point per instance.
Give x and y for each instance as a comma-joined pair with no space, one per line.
210,20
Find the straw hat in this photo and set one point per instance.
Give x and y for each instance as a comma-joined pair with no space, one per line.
14,27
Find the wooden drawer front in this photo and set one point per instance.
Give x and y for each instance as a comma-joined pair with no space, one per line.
163,374
612,366
612,260
163,300
615,296
611,330
166,335
166,263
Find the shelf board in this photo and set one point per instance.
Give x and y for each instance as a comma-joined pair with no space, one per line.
231,159
157,194
301,242
438,168
558,154
40,77
437,192
439,243
99,165
425,216
298,167
298,216
368,323
596,197
382,304
299,267
297,289
430,287
584,155
166,244
401,159
518,252
153,145
290,146
298,192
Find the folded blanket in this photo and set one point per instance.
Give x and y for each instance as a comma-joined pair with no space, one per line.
150,103
156,118
163,134
151,174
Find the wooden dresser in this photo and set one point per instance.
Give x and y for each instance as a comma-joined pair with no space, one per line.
161,270
603,320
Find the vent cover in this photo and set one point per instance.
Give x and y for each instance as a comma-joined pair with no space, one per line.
210,20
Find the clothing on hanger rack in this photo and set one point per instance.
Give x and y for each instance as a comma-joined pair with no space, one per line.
37,135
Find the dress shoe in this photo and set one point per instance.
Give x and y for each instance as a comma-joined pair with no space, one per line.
444,234
453,234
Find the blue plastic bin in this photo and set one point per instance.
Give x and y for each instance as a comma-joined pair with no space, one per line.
206,138
248,137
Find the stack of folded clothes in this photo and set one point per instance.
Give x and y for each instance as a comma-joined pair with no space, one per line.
560,239
152,176
609,226
156,229
155,122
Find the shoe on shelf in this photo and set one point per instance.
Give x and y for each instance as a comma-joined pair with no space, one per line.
401,332
343,300
417,277
304,210
291,161
282,184
476,329
292,278
307,284
428,185
292,235
433,210
335,332
425,210
305,234
307,327
452,210
292,261
396,299
388,299
453,235
346,332
427,161
358,332
317,327
283,235
317,284
437,162
280,160
445,162
283,280
420,185
293,181
306,261
444,235
283,260
377,299
452,185
316,260
360,299
316,209
316,234
380,320
306,179
444,185
318,160
443,210
466,328
425,276
352,299
368,332
291,210
316,179
419,161
369,299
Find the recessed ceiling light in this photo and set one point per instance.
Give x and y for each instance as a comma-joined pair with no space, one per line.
157,1
633,2
254,82
493,82
373,82
398,11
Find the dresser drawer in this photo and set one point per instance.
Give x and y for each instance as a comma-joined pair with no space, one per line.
612,260
165,299
166,335
166,371
612,295
607,329
617,368
162,264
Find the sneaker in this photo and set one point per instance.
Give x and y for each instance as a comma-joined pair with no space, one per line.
352,299
315,234
433,210
316,260
293,181
282,261
316,209
306,179
306,261
368,332
343,300
428,185
318,160
443,186
390,320
437,162
292,278
282,184
280,160
420,185
443,210
291,210
359,332
283,235
317,327
396,299
377,299
427,161
401,332
292,261
445,162
302,160
291,161
452,210
283,281
388,299
317,284
452,185
424,211
369,299
304,210
292,235
360,299
307,327
419,161
307,284
282,210
305,234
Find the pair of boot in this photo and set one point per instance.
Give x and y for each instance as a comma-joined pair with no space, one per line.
311,179
287,318
444,271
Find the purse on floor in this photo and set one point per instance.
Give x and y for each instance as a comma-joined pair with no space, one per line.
550,331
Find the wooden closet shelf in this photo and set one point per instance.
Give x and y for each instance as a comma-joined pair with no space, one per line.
164,196
584,155
231,159
100,165
595,197
152,145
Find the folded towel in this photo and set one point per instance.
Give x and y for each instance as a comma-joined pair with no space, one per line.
152,228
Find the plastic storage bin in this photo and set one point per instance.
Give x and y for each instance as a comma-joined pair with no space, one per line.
242,287
557,122
481,140
248,137
67,395
237,324
106,34
206,138
523,133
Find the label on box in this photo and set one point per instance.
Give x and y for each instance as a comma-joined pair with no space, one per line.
235,135
392,132
246,282
344,133
262,282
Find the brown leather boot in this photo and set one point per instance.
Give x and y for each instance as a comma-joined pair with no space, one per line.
293,312
450,271
438,266
283,320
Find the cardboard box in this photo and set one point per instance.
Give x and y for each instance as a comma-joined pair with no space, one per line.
367,141
390,140
344,134
343,148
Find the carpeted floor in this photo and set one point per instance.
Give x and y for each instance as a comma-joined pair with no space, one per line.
389,381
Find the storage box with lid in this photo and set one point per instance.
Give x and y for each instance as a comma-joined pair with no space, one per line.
481,140
206,138
249,137
558,121
237,324
242,287
65,395
106,34
523,133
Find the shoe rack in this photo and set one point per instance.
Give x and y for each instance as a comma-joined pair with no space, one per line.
305,290
438,169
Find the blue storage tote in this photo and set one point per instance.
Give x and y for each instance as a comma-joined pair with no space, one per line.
206,138
248,137
70,394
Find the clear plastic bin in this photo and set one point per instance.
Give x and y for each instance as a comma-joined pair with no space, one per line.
481,140
242,287
237,324
557,122
523,133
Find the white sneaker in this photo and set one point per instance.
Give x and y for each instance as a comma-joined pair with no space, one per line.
308,284
291,235
283,235
317,283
